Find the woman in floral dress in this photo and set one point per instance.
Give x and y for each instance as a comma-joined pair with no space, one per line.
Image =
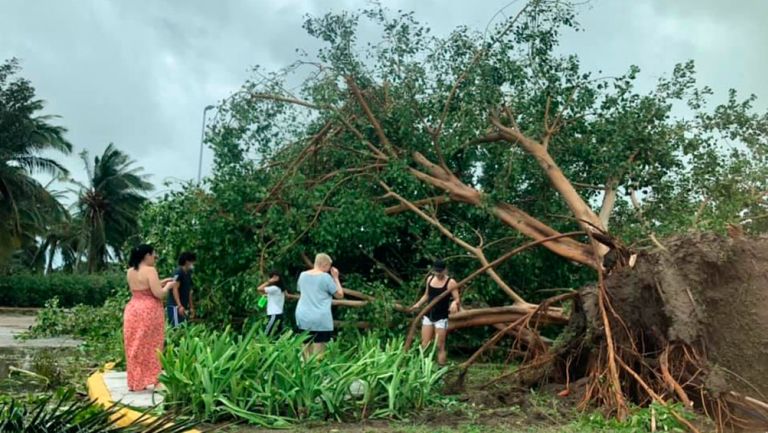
144,319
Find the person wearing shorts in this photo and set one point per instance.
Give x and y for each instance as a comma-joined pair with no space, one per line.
317,286
434,325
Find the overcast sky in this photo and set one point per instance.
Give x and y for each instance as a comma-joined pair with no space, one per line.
138,73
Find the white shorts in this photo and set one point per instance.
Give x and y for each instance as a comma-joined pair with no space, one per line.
439,324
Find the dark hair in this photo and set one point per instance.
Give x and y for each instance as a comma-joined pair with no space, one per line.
275,273
138,253
438,266
187,256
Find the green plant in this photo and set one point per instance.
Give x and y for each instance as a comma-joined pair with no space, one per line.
34,290
219,375
100,328
65,413
82,321
640,421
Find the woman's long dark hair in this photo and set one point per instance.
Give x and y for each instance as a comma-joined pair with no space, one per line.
138,253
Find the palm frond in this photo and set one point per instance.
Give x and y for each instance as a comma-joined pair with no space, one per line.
87,163
36,164
111,204
68,414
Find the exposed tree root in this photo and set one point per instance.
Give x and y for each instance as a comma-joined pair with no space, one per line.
655,331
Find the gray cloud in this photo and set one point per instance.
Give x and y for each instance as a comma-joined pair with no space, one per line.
139,73
723,39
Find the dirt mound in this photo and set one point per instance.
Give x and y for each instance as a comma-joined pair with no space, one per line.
708,292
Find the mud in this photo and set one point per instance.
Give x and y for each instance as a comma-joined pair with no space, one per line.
706,291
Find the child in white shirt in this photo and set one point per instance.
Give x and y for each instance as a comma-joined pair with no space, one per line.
275,292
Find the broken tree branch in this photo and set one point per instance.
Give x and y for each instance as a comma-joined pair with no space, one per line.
477,252
507,213
371,118
400,208
609,202
473,275
289,100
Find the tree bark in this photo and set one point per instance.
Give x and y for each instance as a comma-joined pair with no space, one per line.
507,213
587,218
609,202
552,315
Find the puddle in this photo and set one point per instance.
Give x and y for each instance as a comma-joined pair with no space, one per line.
29,365
30,369
12,357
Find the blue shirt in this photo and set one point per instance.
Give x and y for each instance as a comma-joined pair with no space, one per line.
185,287
313,313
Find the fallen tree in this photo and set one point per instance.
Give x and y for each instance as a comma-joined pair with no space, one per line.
398,133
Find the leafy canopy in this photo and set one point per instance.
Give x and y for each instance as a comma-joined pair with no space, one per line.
298,170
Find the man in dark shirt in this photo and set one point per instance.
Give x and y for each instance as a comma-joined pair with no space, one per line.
180,305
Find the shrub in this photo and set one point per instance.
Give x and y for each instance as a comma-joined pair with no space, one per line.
101,328
221,375
654,417
34,290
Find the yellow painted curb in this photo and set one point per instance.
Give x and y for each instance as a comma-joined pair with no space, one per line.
97,391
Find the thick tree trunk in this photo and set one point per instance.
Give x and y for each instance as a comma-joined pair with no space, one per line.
553,315
609,202
507,213
560,183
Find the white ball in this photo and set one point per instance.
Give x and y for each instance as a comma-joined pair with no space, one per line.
357,388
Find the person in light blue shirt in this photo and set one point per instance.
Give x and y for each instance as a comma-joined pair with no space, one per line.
318,286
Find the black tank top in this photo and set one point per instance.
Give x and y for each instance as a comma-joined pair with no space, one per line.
441,310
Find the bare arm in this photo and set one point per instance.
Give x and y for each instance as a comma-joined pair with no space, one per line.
158,290
339,290
423,298
456,304
263,286
177,297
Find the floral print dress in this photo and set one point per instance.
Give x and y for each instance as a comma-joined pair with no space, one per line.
143,335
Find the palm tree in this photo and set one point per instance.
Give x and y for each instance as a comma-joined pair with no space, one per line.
66,237
51,230
109,205
25,204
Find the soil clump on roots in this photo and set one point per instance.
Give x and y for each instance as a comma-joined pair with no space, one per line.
708,292
687,323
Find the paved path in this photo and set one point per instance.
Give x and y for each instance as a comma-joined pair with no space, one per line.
117,384
12,324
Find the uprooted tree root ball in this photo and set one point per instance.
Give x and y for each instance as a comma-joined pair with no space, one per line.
688,323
